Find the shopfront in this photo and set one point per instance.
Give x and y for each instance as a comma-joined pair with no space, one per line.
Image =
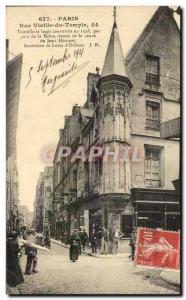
156,209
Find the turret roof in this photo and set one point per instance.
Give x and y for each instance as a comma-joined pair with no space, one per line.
114,60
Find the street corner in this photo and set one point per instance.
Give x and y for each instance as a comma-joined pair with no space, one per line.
120,256
159,278
94,255
171,277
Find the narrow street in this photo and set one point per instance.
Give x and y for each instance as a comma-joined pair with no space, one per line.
90,275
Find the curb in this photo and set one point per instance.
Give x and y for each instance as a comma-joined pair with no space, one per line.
98,255
168,279
67,246
109,256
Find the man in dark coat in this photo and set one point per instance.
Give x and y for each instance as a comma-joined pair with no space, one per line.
94,241
47,240
31,254
132,243
14,272
84,238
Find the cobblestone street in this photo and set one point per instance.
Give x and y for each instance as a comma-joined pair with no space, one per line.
90,275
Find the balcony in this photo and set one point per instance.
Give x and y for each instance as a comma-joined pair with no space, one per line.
152,79
170,129
152,124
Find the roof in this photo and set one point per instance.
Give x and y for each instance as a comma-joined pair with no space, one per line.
159,12
86,114
114,59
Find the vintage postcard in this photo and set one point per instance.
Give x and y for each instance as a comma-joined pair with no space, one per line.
93,150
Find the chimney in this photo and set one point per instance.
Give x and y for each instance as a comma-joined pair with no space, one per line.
92,79
66,119
75,108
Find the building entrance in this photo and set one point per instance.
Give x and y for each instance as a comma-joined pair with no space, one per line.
96,224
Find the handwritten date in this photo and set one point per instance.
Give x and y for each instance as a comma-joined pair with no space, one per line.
50,83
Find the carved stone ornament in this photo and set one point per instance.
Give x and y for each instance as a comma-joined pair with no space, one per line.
119,109
120,92
108,110
127,107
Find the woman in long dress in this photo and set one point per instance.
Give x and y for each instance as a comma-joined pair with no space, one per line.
74,248
14,273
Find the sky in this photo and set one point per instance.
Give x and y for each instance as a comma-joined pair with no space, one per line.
40,115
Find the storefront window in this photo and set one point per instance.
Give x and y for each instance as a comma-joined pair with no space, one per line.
173,222
150,219
127,225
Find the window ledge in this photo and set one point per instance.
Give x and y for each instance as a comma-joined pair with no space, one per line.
154,129
154,187
153,85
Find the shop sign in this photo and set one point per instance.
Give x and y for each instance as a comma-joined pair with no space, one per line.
114,220
157,248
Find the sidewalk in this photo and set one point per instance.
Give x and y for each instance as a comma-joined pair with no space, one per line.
87,251
172,277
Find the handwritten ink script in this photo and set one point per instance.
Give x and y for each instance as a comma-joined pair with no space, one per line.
69,64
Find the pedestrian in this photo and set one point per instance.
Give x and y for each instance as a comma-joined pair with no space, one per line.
74,246
14,273
104,241
62,236
132,243
84,238
31,253
79,240
111,241
94,241
117,236
47,240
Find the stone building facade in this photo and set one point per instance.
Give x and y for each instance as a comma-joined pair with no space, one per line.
43,204
13,79
123,111
25,217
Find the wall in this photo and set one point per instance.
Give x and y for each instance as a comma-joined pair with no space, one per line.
162,41
169,159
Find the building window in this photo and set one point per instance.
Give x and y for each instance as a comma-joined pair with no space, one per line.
152,167
152,115
48,191
152,70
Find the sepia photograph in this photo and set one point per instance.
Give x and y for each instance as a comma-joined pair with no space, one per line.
93,154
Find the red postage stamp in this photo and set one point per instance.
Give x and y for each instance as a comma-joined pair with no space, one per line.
158,249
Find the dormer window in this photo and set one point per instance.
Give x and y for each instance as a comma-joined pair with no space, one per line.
152,70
